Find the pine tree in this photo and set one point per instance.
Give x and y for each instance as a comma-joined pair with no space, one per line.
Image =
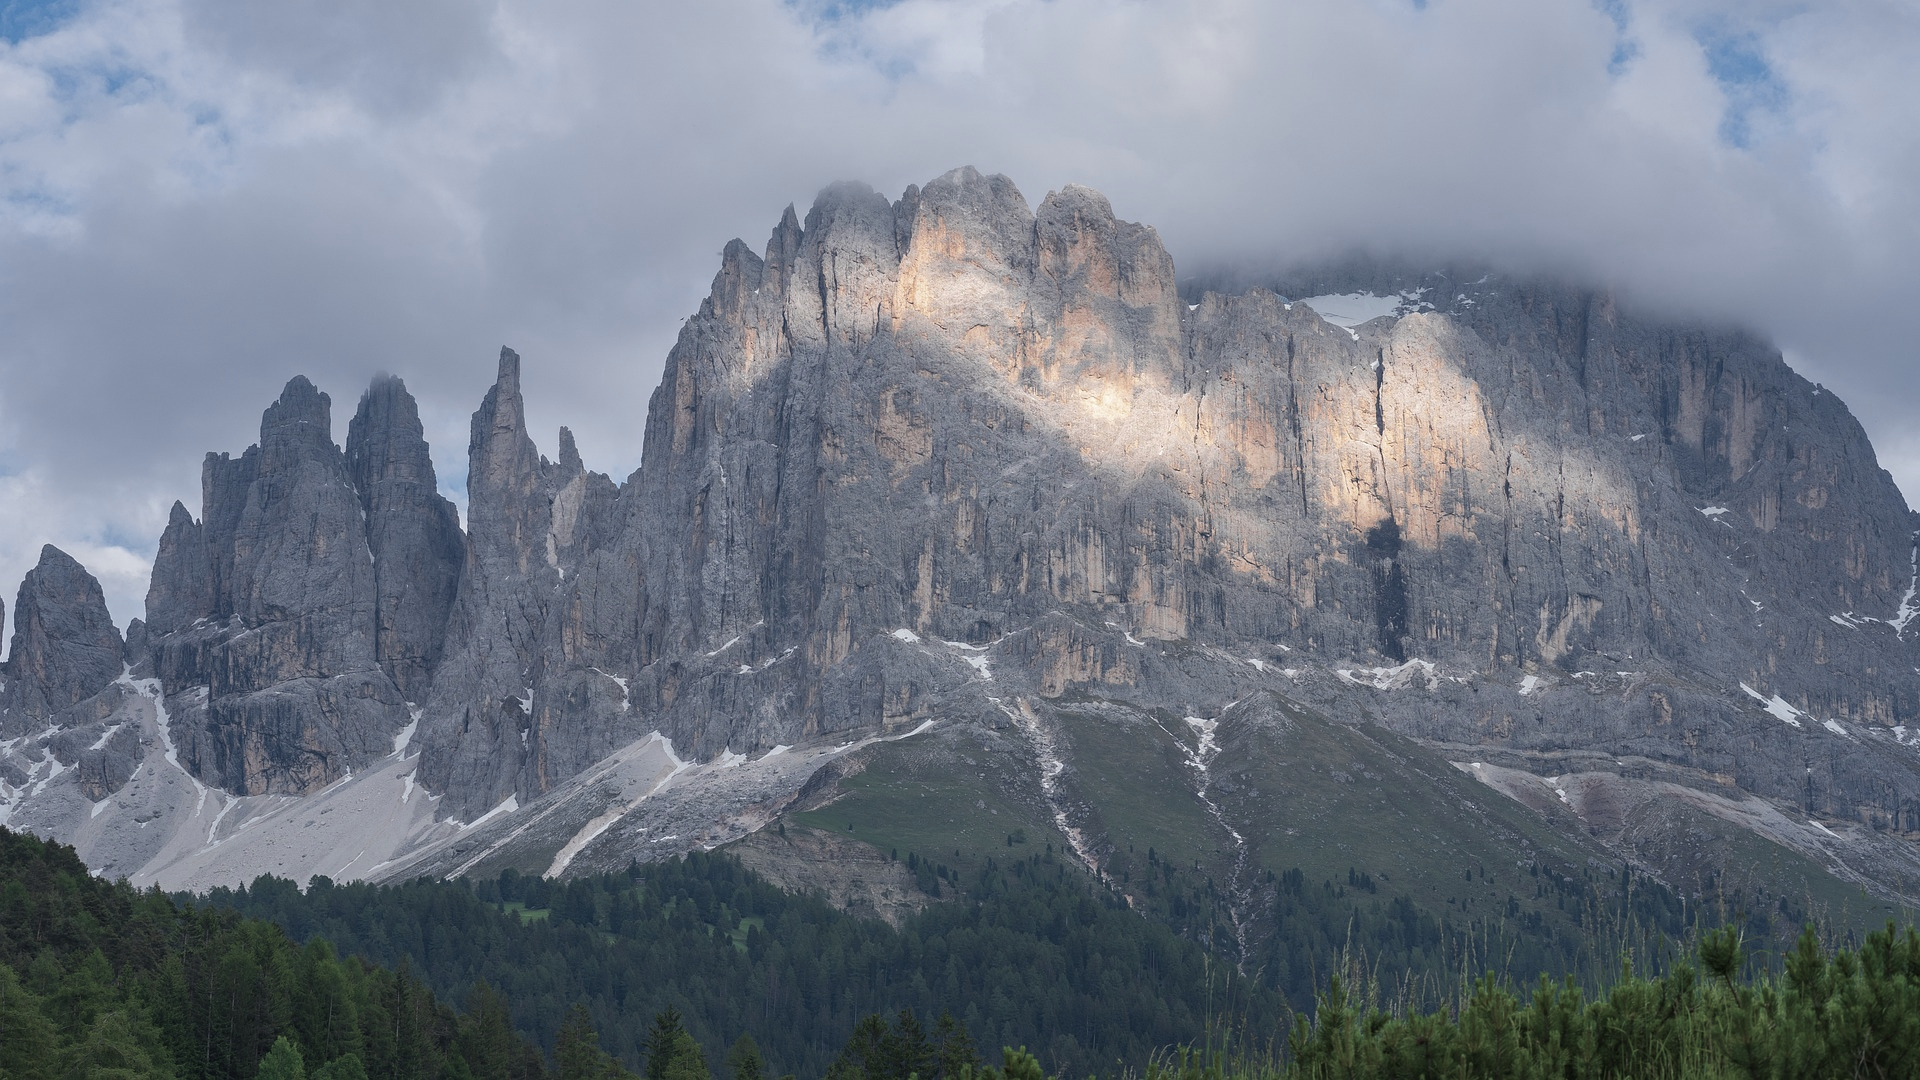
743,1061
282,1062
577,1054
663,1042
27,1037
344,1067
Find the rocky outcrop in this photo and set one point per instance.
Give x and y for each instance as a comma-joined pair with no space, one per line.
262,616
413,533
531,523
951,457
958,418
65,647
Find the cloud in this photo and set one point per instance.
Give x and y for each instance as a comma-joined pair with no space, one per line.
200,198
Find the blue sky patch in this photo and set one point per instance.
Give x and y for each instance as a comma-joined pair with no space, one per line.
22,19
1737,63
1624,48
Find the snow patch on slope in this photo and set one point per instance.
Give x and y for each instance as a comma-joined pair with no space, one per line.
1391,678
1910,603
1349,310
1776,705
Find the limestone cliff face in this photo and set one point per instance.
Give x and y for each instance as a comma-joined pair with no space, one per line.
413,534
65,646
264,619
957,417
952,457
512,668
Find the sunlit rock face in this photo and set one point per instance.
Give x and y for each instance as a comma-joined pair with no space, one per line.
956,416
951,458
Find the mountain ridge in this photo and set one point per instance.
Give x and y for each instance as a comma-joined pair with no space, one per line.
938,468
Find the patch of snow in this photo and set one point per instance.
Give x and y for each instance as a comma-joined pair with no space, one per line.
1712,512
213,830
1636,438
101,742
151,690
1257,665
1529,684
1193,307
779,748
407,792
1910,603
1834,726
1851,621
625,704
907,636
526,701
1348,310
745,669
1390,678
1208,747
404,738
1131,640
101,807
731,642
507,806
1822,827
1776,705
964,645
729,760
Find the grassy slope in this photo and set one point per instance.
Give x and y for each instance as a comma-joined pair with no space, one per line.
1310,794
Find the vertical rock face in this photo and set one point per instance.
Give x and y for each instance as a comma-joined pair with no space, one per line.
264,617
956,417
413,533
65,647
531,523
954,457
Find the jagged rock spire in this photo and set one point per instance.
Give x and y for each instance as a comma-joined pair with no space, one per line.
413,533
65,646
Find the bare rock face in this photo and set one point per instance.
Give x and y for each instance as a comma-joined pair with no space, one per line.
262,616
959,420
530,523
65,646
413,533
951,458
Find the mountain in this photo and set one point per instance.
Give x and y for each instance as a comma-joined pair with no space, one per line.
957,520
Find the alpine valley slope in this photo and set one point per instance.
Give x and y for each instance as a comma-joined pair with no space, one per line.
957,520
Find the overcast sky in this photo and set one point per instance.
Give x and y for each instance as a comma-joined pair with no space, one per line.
201,198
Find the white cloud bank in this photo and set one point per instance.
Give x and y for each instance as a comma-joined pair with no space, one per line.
200,198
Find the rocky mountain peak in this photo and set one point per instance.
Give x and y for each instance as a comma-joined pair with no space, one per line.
413,533
299,422
65,646
949,460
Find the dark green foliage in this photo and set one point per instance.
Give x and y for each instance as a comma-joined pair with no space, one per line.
1854,1014
283,1062
743,1060
101,982
577,1054
904,1050
1030,953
